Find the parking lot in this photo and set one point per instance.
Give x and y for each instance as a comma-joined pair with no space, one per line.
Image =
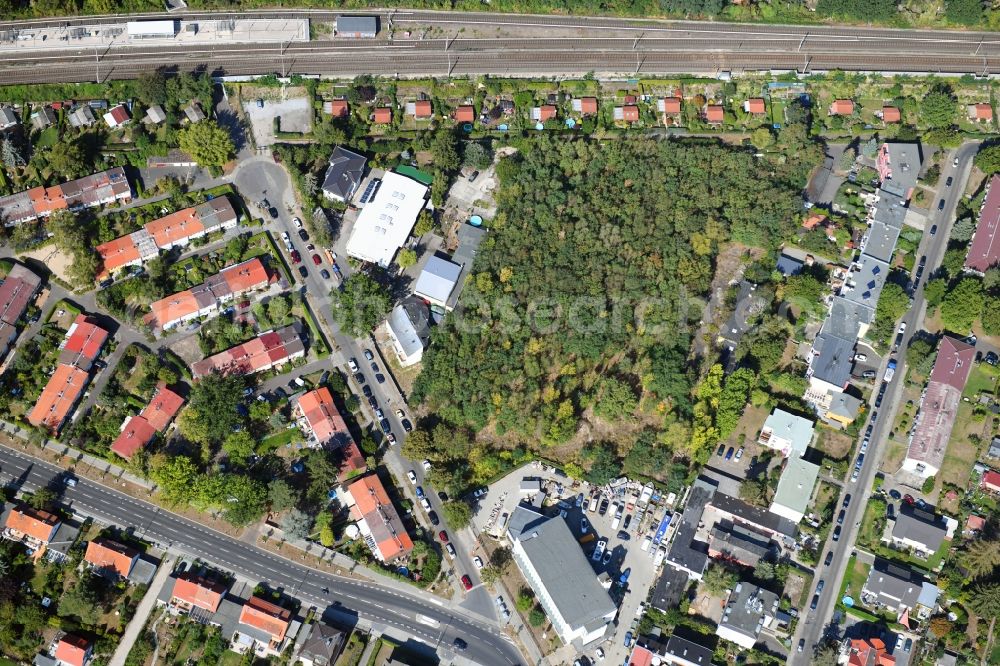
617,535
294,114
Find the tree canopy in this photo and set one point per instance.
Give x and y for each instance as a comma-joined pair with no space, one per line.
209,144
360,305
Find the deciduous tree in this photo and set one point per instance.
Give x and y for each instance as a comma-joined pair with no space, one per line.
209,144
360,305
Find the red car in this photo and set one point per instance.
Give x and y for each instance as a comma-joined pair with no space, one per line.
317,260
443,536
467,582
296,257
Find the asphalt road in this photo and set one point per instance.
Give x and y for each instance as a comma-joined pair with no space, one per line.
814,624
523,44
419,616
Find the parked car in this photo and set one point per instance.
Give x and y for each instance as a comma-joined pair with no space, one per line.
380,378
739,453
420,492
368,355
721,450
840,517
389,437
467,584
802,644
584,525
627,521
303,235
478,561
933,229
407,426
424,503
317,260
450,549
434,518
427,465
296,257
325,274
604,506
991,358
352,364
628,639
303,272
941,204
836,533
443,536
861,357
297,222
623,535
412,476
869,374
847,500
829,558
814,602
820,585
647,542
729,453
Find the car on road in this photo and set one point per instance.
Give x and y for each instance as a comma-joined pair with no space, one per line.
303,272
389,437
458,642
443,536
941,204
584,525
840,517
450,549
954,162
412,476
729,453
829,558
478,561
407,426
420,492
802,644
317,260
836,533
325,274
368,355
814,602
923,261
296,257
70,480
273,212
820,585
434,518
380,378
352,364
424,503
628,639
297,222
933,229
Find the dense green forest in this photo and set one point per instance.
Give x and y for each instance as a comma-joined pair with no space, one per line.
589,288
922,13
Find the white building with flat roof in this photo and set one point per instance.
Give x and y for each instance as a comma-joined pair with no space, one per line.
385,222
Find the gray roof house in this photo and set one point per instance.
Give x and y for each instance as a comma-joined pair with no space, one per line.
194,113
321,646
44,660
7,117
899,588
788,265
81,116
408,326
437,281
994,451
683,652
565,584
748,610
43,117
687,554
344,174
155,114
469,239
923,531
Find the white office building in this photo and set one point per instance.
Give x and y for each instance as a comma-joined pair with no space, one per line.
385,222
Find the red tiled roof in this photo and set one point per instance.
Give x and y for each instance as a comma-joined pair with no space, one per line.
975,522
351,461
107,554
842,107
72,650
117,253
465,114
266,616
640,657
714,113
119,114
199,592
383,115
136,435
588,105
59,397
630,114
338,108
85,338
162,408
672,105
175,227
991,481
35,523
890,114
16,292
981,111
546,112
630,99
756,105
257,354
246,276
422,109
322,416
953,363
372,505
984,250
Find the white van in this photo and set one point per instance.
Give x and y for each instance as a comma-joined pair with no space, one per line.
593,505
647,542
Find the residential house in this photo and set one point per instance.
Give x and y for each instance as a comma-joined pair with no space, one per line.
43,117
383,115
117,117
94,190
194,113
687,554
155,115
437,281
543,113
210,296
891,114
994,450
684,652
899,589
408,327
17,291
32,527
867,652
984,250
755,106
670,106
788,265
337,108
737,543
795,488
715,114
194,593
787,433
138,431
748,609
268,350
549,557
376,517
318,416
939,407
464,114
920,530
82,116
980,112
386,220
990,482
262,628
111,557
421,109
73,650
842,107
343,175
628,113
843,408
585,106
8,118
322,645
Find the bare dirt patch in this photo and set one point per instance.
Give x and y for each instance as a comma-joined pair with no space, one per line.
188,349
54,260
834,444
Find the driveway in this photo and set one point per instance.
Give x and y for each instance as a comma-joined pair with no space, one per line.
142,612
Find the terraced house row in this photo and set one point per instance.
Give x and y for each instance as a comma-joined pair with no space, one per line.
96,189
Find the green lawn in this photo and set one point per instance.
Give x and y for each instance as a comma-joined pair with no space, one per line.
982,378
230,658
47,138
854,579
278,440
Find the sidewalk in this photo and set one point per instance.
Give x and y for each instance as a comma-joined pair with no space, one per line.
134,628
